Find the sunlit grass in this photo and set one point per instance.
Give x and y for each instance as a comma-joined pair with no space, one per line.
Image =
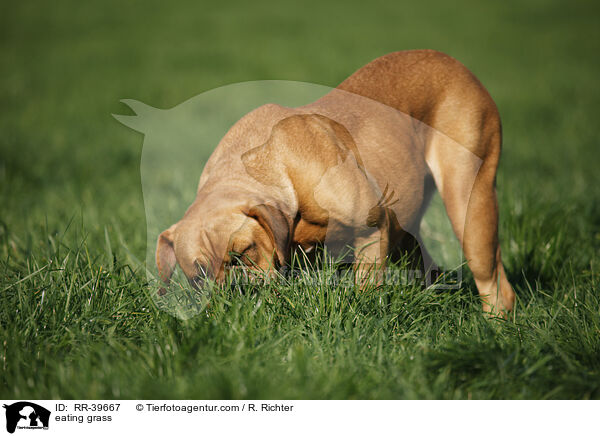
77,317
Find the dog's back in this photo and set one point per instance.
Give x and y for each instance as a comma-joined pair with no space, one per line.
433,88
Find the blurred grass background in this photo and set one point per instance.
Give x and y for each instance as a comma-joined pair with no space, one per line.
72,216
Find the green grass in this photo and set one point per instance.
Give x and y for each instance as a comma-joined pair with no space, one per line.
76,319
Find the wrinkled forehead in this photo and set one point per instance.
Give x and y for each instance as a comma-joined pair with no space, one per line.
219,225
206,239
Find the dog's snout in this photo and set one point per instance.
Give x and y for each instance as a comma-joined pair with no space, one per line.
197,282
237,281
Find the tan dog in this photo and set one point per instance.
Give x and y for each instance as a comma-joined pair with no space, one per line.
357,168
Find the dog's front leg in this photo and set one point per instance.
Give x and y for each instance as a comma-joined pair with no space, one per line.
369,259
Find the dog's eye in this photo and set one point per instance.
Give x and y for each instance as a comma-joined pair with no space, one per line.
242,257
236,259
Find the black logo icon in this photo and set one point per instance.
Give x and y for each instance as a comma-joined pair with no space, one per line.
26,415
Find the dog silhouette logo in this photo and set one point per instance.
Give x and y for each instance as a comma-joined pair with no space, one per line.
26,415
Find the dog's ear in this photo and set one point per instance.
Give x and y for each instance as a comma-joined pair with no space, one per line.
278,227
165,256
259,163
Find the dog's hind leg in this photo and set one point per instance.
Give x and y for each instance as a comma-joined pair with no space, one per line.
466,183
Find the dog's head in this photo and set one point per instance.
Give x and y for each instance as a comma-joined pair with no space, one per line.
207,245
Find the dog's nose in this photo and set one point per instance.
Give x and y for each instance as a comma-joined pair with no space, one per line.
238,283
202,275
198,281
236,278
